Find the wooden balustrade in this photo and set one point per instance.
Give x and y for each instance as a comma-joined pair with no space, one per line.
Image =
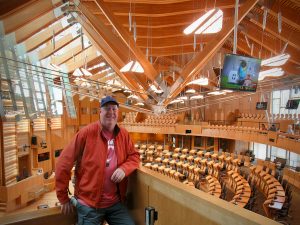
175,202
230,132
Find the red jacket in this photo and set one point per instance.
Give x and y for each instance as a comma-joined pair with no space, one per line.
89,175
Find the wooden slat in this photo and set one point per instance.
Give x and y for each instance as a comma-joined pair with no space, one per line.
201,58
49,50
39,124
43,36
271,45
110,46
38,24
148,68
18,19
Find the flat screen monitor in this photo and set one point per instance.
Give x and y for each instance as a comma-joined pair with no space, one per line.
240,73
292,104
261,105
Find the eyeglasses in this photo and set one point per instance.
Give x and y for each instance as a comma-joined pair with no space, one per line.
112,107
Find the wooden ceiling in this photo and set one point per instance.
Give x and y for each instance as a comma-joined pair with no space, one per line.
170,59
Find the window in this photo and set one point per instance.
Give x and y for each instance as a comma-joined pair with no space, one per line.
294,159
198,142
277,152
260,150
280,98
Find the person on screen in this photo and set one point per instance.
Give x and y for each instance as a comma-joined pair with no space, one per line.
248,81
242,71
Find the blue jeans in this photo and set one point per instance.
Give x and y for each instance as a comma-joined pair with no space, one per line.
114,215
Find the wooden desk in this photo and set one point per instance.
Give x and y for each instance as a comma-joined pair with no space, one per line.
192,152
214,156
240,204
207,154
221,157
243,189
280,193
240,199
245,194
200,153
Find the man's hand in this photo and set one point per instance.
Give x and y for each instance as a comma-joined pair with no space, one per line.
66,208
118,175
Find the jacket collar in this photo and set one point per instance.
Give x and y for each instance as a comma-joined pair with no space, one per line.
116,130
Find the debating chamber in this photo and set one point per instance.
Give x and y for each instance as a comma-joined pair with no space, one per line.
207,89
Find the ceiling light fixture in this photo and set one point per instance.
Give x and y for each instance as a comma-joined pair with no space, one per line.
210,22
200,81
133,96
275,72
278,60
157,91
217,93
132,66
81,72
190,91
176,101
97,66
196,97
183,98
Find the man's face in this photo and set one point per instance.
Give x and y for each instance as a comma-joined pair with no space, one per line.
109,116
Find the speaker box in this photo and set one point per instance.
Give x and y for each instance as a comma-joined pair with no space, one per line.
34,140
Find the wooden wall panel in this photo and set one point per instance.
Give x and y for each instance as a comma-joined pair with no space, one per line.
147,138
94,109
42,131
226,109
10,152
85,111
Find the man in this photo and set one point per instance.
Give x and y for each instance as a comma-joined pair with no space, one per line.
273,128
104,156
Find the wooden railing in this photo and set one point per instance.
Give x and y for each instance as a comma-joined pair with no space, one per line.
176,204
281,140
50,216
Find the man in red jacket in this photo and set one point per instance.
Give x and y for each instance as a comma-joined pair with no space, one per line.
104,155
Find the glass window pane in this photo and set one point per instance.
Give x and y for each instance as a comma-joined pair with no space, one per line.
260,151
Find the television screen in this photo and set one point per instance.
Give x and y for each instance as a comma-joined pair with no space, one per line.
261,105
240,73
292,104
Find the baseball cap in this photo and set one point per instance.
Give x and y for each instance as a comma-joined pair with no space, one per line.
108,99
